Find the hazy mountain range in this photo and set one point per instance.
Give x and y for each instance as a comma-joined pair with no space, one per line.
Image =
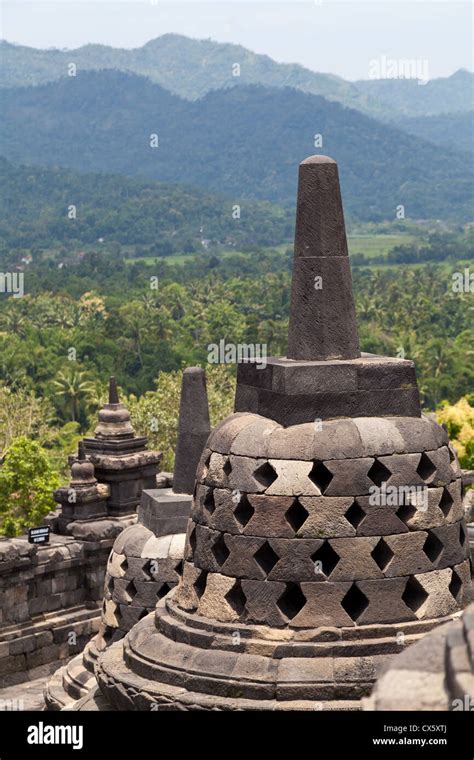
240,137
191,68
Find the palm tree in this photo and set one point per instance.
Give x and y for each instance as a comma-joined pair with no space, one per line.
73,387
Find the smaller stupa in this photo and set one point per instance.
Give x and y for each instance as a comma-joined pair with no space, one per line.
84,499
146,560
120,458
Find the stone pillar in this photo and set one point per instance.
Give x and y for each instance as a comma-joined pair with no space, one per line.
166,510
322,316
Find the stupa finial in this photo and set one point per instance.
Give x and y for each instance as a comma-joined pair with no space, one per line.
322,317
113,392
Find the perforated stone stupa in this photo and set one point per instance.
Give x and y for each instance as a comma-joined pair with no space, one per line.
326,520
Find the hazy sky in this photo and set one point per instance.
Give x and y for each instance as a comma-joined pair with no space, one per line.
337,36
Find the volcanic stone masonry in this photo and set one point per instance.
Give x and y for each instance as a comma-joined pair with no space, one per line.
297,586
146,560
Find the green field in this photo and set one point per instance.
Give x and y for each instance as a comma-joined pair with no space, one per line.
370,245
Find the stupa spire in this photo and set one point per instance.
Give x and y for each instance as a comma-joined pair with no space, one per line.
322,317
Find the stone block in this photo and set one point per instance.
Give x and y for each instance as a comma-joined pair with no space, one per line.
264,515
290,560
245,474
217,476
186,595
214,603
251,440
292,479
223,434
241,561
323,606
439,601
409,556
351,558
403,470
384,603
373,519
349,477
261,602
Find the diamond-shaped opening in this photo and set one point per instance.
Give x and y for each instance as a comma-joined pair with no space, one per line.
192,539
462,535
220,550
227,467
266,557
446,502
426,468
244,511
265,474
327,557
179,567
130,591
432,547
291,601
456,584
382,554
355,514
378,473
414,595
123,564
163,590
355,602
209,503
406,512
236,598
320,476
200,584
296,515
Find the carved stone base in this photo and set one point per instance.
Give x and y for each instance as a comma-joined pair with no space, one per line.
172,660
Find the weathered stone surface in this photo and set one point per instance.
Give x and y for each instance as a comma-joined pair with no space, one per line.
268,517
244,475
439,600
292,560
213,603
193,429
293,479
224,432
261,602
186,593
323,606
385,603
252,440
326,517
375,519
349,477
408,555
403,470
324,328
354,558
216,476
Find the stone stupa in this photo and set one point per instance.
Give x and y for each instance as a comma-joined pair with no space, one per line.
301,576
147,558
